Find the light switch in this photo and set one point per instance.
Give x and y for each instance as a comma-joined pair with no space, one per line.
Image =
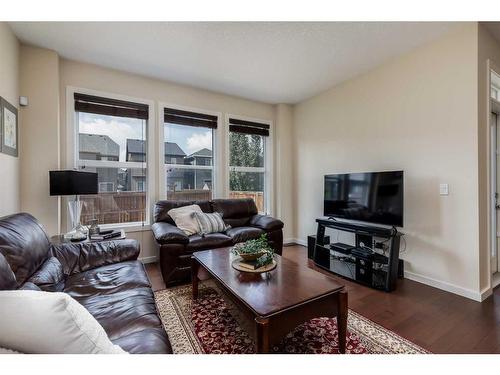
443,189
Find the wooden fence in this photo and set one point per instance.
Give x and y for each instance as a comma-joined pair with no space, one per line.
122,207
127,207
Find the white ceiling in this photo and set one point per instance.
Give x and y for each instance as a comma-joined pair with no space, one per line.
274,62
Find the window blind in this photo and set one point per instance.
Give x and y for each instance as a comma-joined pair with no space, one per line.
179,117
110,107
248,127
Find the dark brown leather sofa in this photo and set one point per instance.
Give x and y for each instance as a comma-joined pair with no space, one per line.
106,278
176,248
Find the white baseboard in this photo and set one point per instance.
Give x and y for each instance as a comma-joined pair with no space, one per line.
448,287
485,293
294,241
146,260
290,241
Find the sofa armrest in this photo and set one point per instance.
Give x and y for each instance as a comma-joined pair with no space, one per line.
266,223
166,233
80,257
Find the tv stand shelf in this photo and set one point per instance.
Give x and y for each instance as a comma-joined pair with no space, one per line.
372,269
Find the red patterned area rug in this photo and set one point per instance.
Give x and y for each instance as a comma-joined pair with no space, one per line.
210,325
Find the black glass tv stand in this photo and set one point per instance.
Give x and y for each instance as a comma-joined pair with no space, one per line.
363,263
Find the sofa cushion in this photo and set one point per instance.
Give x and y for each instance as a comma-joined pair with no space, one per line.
266,222
24,244
149,340
208,241
119,296
166,233
235,212
242,234
77,257
49,277
128,314
7,278
50,323
108,279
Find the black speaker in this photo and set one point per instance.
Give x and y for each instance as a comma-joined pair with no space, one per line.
401,269
364,270
311,242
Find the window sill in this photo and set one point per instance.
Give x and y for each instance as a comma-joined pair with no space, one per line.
128,227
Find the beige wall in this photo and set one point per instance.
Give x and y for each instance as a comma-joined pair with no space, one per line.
283,169
9,89
40,133
81,75
417,113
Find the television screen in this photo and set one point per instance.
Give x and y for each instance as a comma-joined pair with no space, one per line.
375,197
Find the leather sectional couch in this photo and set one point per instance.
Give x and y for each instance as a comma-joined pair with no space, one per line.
105,277
176,248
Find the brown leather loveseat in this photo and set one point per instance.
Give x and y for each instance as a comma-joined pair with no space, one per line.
105,277
176,248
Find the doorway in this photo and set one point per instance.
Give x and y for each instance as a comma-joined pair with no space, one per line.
494,122
494,189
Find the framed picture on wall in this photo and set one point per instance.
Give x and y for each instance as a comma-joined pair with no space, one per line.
9,128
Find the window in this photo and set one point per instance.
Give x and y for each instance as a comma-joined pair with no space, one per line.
112,141
106,187
495,85
189,154
495,92
247,161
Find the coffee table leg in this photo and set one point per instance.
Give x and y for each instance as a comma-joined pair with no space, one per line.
262,335
342,320
194,276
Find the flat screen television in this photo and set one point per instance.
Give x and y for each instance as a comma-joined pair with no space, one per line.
374,197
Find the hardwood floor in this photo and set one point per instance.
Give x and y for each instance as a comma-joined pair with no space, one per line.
439,321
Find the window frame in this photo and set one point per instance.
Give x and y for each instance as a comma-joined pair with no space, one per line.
268,161
217,184
73,161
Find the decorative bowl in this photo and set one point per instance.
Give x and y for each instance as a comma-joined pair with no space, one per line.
239,249
253,256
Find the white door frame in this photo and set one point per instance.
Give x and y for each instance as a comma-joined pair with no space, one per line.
493,106
493,122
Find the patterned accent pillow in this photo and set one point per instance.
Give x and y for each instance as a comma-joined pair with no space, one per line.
210,223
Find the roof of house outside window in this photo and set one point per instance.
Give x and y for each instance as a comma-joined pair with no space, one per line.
204,152
98,144
137,146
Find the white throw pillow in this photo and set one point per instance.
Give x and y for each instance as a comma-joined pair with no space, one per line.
185,219
50,323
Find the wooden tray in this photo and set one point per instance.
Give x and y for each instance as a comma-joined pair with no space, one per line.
236,265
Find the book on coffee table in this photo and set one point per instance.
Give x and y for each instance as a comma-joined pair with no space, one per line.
250,264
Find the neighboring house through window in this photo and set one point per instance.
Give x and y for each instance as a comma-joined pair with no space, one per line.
112,141
189,151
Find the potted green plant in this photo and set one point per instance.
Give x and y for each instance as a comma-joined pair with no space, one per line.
258,251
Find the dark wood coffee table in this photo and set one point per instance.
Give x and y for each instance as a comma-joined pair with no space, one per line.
274,303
